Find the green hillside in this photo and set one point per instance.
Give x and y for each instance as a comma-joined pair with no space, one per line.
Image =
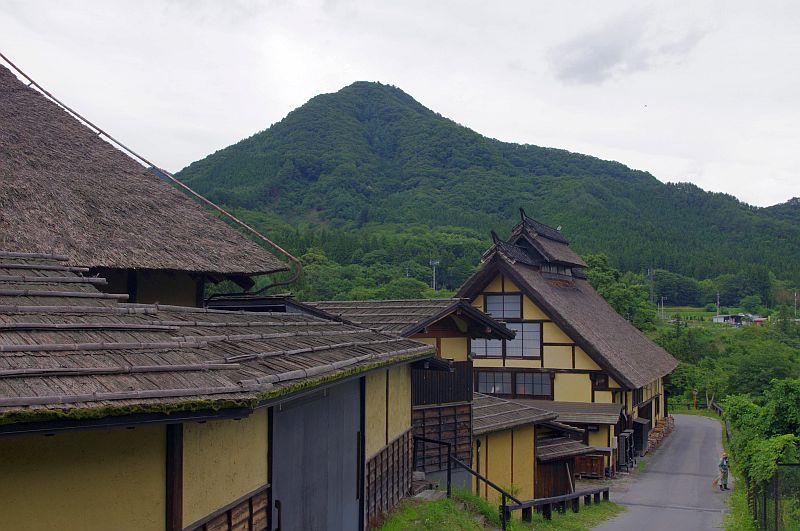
369,164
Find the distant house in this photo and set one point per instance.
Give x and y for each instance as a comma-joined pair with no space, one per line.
571,348
738,319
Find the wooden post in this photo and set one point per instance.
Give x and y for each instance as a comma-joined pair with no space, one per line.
597,497
174,466
587,500
547,511
527,514
576,505
605,495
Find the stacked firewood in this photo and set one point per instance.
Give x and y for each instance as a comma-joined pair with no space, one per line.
662,429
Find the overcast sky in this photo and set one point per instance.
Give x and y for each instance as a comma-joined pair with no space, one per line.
700,91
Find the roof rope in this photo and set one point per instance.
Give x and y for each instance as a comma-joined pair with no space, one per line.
298,266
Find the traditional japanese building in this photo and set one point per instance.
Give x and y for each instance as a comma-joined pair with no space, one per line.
571,348
126,415
134,416
64,190
523,449
441,392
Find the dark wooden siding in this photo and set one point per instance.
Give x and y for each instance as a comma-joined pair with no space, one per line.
452,424
388,477
553,478
430,387
249,512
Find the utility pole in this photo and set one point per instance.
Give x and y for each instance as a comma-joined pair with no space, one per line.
718,303
663,312
433,264
651,278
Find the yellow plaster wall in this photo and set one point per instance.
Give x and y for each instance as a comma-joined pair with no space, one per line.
375,412
163,287
478,302
532,311
583,361
558,357
510,460
572,387
455,348
495,285
524,461
603,397
551,333
399,400
534,363
91,480
490,362
222,460
495,462
613,383
510,286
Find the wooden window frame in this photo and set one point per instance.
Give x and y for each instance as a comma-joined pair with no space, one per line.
514,371
504,345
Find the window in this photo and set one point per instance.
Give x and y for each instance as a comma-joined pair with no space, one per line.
534,384
492,348
498,383
527,342
600,381
504,306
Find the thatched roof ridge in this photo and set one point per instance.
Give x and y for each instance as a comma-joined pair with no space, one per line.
65,191
81,354
549,242
407,317
614,343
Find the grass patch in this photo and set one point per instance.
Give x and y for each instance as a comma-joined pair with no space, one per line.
448,514
434,515
739,518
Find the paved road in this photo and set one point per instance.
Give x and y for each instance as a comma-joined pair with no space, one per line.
674,491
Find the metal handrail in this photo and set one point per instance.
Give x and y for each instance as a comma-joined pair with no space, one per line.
505,512
449,457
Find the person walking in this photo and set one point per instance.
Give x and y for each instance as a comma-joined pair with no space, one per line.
723,472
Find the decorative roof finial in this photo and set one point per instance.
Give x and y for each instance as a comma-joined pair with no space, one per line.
522,214
495,237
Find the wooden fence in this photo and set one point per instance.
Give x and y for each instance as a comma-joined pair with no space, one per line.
388,476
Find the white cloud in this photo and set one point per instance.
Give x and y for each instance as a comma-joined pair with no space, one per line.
700,90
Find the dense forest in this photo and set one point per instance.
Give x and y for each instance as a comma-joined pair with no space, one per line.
380,185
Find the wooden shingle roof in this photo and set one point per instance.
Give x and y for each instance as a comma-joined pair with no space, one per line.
552,448
64,190
67,350
490,414
410,316
577,412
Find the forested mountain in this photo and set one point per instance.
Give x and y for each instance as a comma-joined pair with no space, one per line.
369,164
788,211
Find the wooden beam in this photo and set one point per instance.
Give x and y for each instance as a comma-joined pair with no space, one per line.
174,465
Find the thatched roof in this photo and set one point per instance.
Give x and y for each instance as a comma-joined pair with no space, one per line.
571,302
65,191
67,349
490,414
549,242
410,316
577,412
